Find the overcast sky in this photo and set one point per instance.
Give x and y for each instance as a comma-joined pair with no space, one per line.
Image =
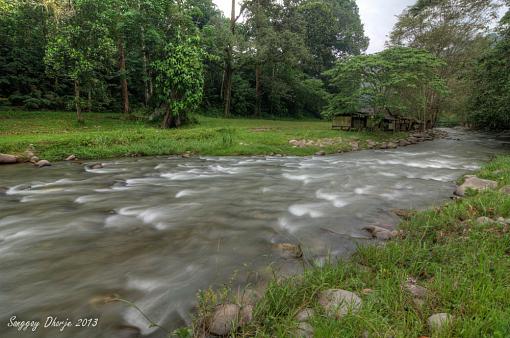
378,16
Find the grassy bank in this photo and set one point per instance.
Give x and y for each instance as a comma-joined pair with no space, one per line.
464,265
55,135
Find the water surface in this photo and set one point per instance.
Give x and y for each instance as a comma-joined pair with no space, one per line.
156,230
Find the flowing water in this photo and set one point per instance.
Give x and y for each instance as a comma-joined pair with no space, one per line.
156,230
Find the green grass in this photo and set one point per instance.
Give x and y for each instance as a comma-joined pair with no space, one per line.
55,135
464,265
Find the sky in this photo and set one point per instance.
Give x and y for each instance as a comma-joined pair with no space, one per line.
378,17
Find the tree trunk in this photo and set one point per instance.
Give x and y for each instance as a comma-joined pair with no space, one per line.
167,119
123,78
228,74
144,68
77,100
258,91
89,100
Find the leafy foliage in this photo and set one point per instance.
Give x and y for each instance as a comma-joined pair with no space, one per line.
400,81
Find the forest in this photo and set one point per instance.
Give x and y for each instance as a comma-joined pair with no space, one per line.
446,60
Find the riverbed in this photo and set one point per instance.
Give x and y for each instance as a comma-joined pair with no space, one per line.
156,230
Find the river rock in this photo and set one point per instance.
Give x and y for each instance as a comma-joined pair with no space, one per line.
439,320
95,166
403,143
43,163
224,320
391,145
304,330
71,158
381,233
354,145
247,297
383,145
127,331
320,153
8,159
304,315
34,159
475,183
288,250
337,303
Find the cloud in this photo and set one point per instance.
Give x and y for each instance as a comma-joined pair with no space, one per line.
378,16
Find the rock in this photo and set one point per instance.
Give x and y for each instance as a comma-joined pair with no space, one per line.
95,166
71,158
127,331
304,330
337,303
288,250
246,315
8,159
439,320
224,320
415,290
403,143
103,299
484,220
505,190
354,145
186,155
43,163
320,153
391,145
247,297
475,183
403,213
381,233
34,159
304,315
367,291
383,145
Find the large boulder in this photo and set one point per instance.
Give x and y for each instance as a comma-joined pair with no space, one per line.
225,319
8,159
337,303
475,183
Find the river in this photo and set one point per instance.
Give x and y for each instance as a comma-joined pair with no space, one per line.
156,230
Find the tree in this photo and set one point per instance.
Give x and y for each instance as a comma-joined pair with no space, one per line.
453,30
80,47
179,80
490,104
400,81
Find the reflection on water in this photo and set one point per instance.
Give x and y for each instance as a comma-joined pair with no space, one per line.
156,230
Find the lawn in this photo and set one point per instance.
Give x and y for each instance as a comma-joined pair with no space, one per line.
55,135
463,263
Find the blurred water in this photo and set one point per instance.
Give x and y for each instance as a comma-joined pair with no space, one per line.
156,230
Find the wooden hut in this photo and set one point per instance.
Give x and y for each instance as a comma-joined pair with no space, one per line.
353,121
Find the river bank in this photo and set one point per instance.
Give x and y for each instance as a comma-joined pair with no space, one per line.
445,274
54,136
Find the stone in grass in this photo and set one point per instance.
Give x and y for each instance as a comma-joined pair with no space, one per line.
475,183
415,290
245,315
439,320
304,315
381,233
337,303
71,158
505,190
484,220
320,153
224,320
304,330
